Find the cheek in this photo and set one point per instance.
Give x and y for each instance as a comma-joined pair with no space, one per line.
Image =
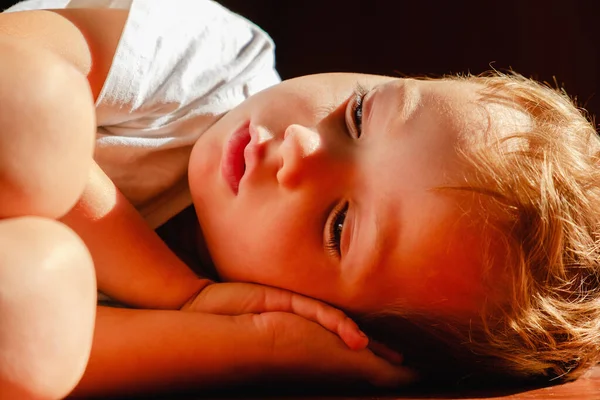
273,248
248,243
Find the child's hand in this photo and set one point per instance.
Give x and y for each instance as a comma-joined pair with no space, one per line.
302,335
247,298
298,349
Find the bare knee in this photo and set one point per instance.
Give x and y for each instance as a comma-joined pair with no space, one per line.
47,308
47,129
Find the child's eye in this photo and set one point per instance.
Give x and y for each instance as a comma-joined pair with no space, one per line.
355,110
334,229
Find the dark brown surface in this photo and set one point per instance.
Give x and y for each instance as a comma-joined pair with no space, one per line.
587,388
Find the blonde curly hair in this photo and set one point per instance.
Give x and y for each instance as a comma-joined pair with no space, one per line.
540,188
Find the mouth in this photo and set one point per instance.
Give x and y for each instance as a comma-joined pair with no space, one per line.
233,164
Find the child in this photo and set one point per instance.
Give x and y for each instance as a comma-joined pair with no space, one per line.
444,203
208,60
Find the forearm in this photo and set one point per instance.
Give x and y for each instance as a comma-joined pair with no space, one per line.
132,263
137,351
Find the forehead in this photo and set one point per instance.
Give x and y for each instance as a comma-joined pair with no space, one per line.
457,108
438,258
476,115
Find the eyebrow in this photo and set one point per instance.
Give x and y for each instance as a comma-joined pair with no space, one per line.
368,106
324,110
411,100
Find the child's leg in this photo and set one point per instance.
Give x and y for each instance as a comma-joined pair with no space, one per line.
47,130
47,281
47,308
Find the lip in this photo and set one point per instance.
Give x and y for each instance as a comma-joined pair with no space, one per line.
254,151
233,163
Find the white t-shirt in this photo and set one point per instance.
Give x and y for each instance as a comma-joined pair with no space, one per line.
179,65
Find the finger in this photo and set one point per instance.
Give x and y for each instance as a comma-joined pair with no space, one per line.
231,299
393,377
250,298
317,351
330,318
386,353
269,299
381,373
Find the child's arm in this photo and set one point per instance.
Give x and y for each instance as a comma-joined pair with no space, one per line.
133,265
137,351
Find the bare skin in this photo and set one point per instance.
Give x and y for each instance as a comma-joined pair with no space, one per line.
47,281
47,308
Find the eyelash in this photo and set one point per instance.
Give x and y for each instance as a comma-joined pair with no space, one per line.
334,231
354,114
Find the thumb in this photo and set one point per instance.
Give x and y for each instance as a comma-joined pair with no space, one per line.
385,375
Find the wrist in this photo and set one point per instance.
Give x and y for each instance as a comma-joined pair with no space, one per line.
258,358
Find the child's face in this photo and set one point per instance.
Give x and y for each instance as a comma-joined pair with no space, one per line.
351,221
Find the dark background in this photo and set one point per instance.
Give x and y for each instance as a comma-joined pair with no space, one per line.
550,40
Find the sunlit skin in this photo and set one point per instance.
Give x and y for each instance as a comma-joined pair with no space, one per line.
402,243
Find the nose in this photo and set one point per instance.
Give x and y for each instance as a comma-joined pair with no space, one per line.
300,152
